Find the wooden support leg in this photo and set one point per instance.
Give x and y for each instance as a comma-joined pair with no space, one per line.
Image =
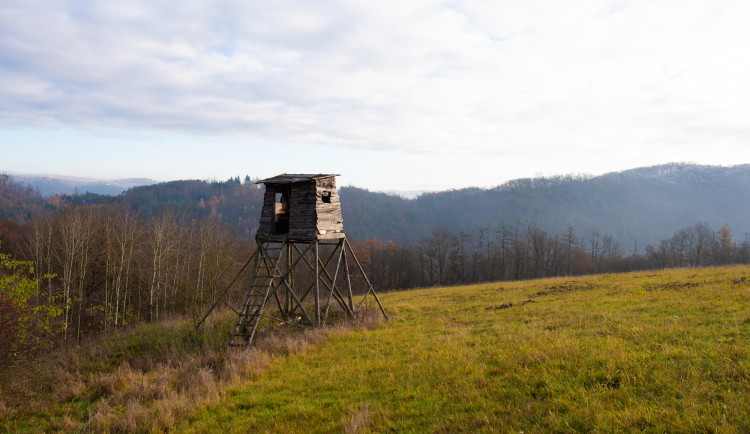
333,282
369,285
317,285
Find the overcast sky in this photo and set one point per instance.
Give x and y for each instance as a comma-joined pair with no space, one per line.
403,95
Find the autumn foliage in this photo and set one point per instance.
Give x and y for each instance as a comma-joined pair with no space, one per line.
25,323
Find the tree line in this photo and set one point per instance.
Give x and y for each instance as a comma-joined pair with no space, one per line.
105,265
108,265
516,252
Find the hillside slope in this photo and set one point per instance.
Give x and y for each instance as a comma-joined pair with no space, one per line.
661,351
601,353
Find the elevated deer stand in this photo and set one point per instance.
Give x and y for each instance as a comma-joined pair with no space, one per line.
301,252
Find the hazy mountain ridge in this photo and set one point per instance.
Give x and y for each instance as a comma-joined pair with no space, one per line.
50,185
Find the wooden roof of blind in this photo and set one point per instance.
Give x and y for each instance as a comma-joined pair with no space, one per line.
290,178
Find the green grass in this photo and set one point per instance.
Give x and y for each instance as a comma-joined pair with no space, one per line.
660,351
654,351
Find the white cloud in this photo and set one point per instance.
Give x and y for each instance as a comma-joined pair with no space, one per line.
517,80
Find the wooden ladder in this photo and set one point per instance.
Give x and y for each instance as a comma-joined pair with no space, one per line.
265,278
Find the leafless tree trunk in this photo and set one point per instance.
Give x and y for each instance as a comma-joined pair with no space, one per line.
75,226
165,232
127,230
88,228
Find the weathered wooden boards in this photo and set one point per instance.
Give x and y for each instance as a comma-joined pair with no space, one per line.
312,203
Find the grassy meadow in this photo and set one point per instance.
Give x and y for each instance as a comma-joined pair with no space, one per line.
653,351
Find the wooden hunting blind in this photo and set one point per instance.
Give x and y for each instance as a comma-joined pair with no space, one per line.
302,260
301,207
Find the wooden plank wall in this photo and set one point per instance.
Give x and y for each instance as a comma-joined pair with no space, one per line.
309,216
330,224
302,211
266,214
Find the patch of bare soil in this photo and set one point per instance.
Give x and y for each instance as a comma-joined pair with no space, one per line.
566,287
671,286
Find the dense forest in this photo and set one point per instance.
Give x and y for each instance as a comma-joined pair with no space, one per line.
76,264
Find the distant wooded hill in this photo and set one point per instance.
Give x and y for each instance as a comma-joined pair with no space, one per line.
641,205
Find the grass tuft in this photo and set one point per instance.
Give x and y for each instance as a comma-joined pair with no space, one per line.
358,421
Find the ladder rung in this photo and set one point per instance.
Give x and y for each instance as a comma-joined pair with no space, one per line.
266,276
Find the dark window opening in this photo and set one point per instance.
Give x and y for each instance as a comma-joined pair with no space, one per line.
281,212
326,197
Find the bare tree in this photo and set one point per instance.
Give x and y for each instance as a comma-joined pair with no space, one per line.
164,238
76,228
126,230
38,246
216,248
570,243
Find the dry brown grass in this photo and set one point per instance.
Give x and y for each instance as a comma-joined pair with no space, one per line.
244,364
5,411
150,391
359,420
65,423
